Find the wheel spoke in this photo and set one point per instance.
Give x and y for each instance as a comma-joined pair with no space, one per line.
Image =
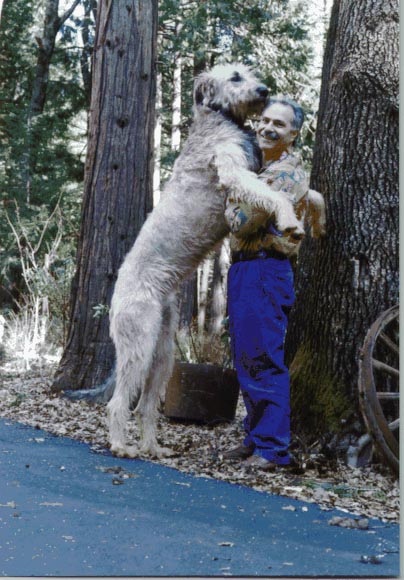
390,396
386,368
394,425
388,342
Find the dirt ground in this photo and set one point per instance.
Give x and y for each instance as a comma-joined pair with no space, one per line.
366,492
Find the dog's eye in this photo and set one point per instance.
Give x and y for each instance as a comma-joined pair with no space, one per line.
236,78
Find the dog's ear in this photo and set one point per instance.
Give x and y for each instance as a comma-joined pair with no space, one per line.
205,89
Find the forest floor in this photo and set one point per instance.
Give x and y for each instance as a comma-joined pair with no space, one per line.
368,492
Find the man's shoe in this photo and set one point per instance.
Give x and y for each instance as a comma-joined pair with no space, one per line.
260,462
240,452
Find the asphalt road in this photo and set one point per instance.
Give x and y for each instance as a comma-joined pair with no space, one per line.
67,511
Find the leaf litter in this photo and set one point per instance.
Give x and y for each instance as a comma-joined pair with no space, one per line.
368,492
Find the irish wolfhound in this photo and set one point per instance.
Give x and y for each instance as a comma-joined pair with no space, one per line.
217,160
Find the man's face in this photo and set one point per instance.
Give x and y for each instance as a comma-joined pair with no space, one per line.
275,130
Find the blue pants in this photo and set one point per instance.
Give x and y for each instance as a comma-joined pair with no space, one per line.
260,295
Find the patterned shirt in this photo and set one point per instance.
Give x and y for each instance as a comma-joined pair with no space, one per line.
252,229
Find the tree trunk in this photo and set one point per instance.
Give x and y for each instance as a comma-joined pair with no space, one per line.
118,180
90,9
188,289
347,279
157,140
176,107
217,303
204,277
46,44
188,306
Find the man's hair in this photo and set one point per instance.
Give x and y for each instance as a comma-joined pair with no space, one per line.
298,115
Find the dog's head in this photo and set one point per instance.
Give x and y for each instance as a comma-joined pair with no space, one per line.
231,89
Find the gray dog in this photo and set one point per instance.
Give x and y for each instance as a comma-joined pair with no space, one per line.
217,162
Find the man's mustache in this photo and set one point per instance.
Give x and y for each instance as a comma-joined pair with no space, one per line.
271,135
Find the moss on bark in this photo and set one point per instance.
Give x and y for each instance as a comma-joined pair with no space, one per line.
318,402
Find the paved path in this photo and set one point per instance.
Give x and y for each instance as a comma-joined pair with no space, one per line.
63,512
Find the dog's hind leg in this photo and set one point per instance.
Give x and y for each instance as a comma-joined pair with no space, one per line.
134,332
160,373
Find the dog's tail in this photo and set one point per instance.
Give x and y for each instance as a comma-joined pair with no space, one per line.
100,394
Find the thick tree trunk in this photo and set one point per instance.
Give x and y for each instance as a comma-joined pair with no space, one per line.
346,280
118,180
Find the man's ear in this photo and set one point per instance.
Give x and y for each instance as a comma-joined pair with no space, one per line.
293,136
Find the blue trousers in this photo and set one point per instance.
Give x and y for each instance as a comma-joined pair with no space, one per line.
260,295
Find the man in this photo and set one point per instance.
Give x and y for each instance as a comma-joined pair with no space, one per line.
260,291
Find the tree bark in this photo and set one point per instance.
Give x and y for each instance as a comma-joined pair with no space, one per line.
347,279
118,191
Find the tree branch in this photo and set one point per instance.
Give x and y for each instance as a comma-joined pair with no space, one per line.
21,252
68,12
46,224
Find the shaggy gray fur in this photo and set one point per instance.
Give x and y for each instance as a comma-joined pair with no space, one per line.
188,222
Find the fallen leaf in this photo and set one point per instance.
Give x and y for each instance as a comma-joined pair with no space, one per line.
10,504
226,544
359,524
115,469
373,559
51,504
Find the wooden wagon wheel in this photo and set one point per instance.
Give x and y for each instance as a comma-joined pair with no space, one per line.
379,385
